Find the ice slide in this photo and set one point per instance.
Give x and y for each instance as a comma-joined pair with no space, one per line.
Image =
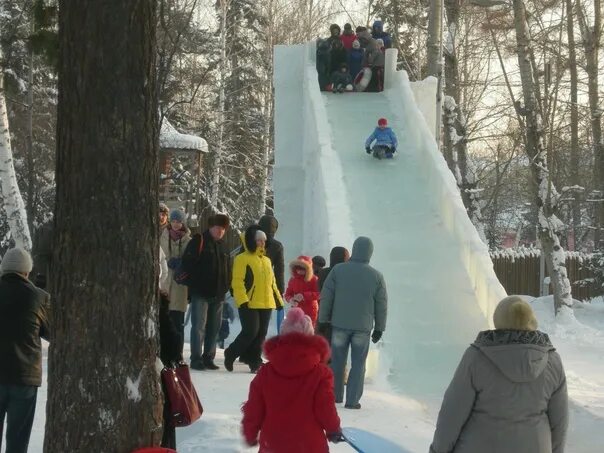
441,284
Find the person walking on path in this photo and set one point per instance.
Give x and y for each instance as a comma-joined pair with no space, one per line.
302,288
336,256
208,262
24,319
354,301
173,241
274,251
509,391
256,295
295,387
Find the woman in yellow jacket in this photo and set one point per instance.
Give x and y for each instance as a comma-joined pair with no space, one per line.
256,295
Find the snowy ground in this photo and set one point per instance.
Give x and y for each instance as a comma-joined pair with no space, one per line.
578,336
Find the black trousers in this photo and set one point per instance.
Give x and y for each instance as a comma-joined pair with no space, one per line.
178,319
18,405
248,344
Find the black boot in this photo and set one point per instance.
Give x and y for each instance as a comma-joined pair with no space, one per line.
228,359
209,364
197,365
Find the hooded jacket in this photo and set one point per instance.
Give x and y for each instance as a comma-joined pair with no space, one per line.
253,278
291,401
377,32
354,294
355,61
274,249
508,394
382,137
307,285
336,256
24,319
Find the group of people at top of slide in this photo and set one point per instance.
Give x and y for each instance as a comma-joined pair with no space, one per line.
352,60
508,393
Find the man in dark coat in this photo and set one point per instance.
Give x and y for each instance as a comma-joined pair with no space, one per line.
336,256
274,250
24,319
208,262
323,63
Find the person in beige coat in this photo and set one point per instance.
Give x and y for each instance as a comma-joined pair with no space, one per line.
173,241
508,393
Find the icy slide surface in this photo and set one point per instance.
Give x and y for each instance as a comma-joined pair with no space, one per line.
328,191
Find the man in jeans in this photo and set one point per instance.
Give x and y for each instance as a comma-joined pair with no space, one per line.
207,260
24,314
354,301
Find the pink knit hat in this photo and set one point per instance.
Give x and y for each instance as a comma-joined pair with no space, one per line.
297,321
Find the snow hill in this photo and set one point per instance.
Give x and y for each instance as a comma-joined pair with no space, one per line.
441,284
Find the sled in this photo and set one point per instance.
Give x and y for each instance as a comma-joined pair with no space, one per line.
366,442
361,81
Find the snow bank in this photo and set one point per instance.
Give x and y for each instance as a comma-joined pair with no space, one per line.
474,253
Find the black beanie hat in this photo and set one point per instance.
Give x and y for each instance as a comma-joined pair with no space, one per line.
221,220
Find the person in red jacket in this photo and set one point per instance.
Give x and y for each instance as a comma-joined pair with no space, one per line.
303,287
291,401
348,37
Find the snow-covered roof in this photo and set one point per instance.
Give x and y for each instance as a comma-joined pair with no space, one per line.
170,138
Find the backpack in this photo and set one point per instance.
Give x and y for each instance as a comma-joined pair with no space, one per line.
182,276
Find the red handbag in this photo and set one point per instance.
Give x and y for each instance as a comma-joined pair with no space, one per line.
185,407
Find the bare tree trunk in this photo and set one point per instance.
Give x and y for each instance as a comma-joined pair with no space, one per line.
455,138
220,148
13,201
31,170
546,196
103,387
434,37
591,43
574,116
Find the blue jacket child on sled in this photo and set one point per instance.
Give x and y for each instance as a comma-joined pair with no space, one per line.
385,141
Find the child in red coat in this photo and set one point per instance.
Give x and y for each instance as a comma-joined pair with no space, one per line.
303,287
291,401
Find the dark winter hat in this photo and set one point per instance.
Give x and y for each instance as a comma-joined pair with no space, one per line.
164,208
347,27
221,220
177,215
360,29
382,122
17,260
338,255
513,313
318,261
333,27
269,225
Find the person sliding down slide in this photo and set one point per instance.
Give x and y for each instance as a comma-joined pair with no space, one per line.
385,141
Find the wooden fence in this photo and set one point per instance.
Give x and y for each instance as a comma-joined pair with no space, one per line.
519,272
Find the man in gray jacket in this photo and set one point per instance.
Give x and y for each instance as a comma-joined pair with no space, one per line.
354,302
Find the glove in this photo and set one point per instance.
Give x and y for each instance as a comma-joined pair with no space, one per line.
279,307
335,437
368,150
252,443
376,335
244,305
298,297
173,263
